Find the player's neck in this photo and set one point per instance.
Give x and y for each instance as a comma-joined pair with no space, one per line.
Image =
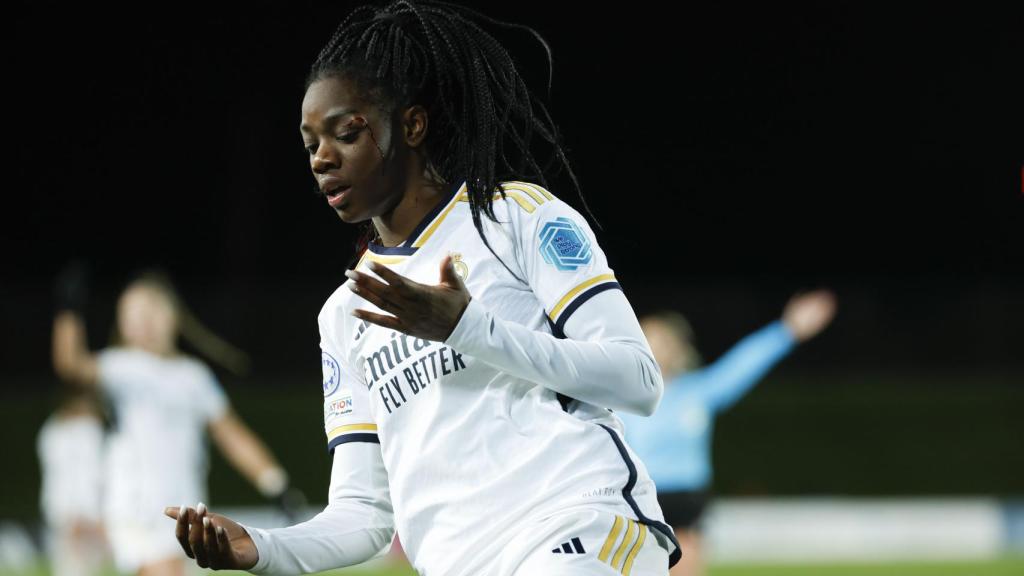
420,197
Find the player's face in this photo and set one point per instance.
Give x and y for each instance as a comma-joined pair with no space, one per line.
669,352
146,319
353,152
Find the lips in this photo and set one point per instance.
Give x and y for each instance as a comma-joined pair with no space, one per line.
335,189
337,195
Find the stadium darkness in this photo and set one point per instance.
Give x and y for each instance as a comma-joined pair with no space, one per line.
731,157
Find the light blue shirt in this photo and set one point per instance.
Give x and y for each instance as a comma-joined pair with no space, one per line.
675,442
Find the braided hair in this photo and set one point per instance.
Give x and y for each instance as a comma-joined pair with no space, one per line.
483,118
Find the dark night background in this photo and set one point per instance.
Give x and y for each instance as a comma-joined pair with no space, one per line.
732,155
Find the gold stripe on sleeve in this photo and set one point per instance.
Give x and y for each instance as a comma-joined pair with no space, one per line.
632,553
626,541
351,428
610,540
579,288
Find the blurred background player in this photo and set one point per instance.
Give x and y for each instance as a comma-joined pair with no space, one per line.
70,448
163,401
675,442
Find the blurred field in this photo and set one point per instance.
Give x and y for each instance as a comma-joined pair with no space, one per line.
1010,566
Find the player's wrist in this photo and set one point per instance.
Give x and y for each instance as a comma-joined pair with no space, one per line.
471,318
272,482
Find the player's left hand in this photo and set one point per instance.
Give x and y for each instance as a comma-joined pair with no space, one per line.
807,314
420,310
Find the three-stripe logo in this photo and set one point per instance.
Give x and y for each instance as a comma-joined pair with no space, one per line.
573,546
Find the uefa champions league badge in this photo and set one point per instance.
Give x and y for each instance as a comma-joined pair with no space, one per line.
332,373
564,245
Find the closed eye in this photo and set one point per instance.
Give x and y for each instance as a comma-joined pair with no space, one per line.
348,138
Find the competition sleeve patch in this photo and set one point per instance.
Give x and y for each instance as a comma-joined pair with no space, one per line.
563,244
332,373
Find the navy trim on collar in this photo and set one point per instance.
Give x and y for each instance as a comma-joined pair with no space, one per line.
406,247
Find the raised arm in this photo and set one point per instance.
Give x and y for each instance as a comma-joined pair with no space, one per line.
746,363
72,360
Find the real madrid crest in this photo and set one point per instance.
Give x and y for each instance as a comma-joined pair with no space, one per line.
460,267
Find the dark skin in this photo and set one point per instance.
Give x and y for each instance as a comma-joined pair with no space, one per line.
381,157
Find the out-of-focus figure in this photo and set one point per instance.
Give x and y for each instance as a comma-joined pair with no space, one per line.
70,449
164,402
675,442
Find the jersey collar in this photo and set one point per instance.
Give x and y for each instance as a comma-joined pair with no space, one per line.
424,229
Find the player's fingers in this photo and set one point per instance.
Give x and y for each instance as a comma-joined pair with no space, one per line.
378,319
181,530
394,279
195,536
226,555
171,512
210,543
385,301
366,281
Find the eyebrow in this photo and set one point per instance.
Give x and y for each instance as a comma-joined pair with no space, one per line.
332,115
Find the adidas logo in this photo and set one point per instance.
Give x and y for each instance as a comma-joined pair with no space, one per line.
571,547
363,325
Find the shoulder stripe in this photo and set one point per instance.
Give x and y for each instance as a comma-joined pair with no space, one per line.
526,188
535,187
523,202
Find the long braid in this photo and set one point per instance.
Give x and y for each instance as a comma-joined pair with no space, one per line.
433,53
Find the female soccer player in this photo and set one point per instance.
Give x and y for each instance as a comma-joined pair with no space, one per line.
471,365
70,449
675,442
163,403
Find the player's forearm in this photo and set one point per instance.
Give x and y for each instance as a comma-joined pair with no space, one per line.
614,369
746,363
356,525
339,536
244,450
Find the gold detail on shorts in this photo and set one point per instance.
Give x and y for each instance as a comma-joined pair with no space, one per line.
626,540
632,553
610,540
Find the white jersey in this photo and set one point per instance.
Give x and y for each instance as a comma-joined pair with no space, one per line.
475,449
157,450
71,460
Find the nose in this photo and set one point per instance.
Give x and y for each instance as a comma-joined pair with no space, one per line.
324,159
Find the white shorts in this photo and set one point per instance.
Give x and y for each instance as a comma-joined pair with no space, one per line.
135,544
584,542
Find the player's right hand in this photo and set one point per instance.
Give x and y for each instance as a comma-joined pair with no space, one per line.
214,541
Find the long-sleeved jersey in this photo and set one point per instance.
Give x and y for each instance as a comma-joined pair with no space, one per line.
510,418
675,442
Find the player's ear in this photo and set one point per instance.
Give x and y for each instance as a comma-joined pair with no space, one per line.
414,125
